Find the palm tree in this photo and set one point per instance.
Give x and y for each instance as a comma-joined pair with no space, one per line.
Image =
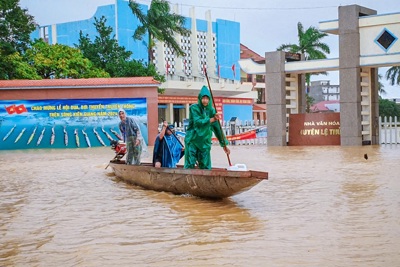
381,87
393,75
310,46
160,24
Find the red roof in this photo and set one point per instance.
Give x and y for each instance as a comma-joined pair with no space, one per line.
321,106
259,107
91,82
246,53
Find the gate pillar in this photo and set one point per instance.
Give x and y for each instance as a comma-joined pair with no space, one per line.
351,105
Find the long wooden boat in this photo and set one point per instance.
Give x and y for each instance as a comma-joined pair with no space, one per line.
214,183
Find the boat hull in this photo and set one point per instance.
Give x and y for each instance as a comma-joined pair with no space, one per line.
215,183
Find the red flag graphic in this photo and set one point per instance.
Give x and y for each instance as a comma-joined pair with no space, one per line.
20,109
11,109
233,69
167,67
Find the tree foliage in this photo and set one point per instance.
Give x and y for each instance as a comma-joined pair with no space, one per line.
393,75
381,87
160,24
61,61
309,44
388,108
19,68
105,53
16,25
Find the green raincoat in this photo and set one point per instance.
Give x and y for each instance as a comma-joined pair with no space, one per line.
199,133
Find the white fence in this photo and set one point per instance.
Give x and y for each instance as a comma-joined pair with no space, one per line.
389,128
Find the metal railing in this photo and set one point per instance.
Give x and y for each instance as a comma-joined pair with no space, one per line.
239,128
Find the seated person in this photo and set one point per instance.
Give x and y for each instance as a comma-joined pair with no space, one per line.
168,150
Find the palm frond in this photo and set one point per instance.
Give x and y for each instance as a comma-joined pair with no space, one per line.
393,75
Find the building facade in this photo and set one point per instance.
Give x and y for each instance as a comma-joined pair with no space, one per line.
324,91
258,83
212,45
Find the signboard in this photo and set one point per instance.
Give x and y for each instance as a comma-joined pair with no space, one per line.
292,56
177,99
66,123
314,129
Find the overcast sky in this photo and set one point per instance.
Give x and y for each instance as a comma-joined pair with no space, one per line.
265,24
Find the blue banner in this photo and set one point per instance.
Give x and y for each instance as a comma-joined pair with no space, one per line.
66,123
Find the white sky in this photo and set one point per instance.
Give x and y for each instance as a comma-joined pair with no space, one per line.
265,24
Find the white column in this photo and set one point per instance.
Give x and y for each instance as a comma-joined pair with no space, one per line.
170,112
187,110
194,46
53,34
211,66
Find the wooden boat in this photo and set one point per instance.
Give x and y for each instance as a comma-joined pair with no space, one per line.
214,183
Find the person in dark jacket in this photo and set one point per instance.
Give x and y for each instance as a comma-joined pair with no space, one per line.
131,136
167,149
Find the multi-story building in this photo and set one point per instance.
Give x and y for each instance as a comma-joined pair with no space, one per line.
324,91
257,81
214,45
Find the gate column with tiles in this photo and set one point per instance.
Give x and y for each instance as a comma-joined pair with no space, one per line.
356,87
285,95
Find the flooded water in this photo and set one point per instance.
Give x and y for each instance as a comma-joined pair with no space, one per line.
322,206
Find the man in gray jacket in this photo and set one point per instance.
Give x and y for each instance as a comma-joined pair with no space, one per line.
131,136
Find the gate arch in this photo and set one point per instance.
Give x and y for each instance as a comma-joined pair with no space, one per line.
366,41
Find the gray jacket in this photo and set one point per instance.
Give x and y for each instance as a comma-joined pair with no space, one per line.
128,128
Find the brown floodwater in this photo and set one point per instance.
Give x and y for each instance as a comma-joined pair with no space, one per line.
322,206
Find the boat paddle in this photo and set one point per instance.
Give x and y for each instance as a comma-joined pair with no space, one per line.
212,99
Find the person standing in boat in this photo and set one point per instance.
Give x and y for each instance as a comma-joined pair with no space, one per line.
167,148
203,121
131,136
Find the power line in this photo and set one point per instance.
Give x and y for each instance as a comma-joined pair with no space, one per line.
249,8
260,8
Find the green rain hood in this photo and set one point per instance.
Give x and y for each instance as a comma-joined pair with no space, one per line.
199,131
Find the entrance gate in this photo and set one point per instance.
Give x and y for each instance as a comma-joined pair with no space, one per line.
366,41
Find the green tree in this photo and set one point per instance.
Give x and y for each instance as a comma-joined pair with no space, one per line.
160,24
310,46
393,75
388,108
16,25
381,87
105,52
61,61
19,68
309,102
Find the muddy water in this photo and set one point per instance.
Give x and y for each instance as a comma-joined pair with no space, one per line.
322,206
